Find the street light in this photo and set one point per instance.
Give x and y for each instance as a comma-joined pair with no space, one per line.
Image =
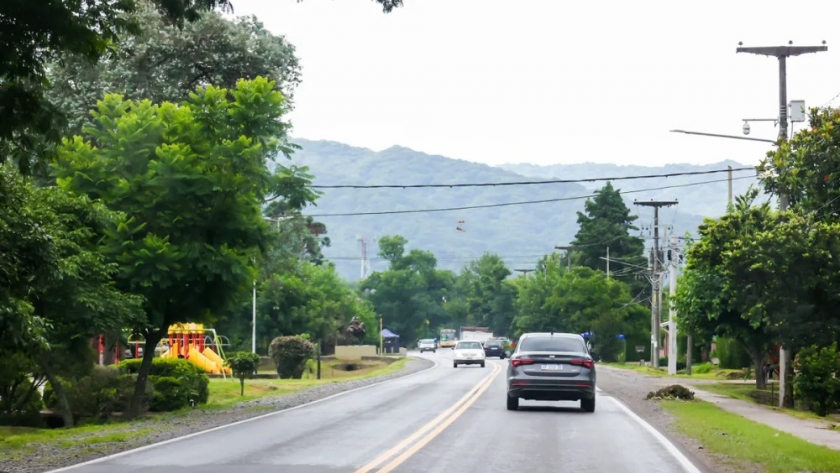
254,293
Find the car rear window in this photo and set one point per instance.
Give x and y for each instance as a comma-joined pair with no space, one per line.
552,344
470,345
493,343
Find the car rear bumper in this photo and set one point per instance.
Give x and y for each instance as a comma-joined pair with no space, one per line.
551,390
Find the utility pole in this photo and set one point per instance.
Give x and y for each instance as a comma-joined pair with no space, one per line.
365,262
656,278
672,314
782,53
608,262
568,250
729,173
381,344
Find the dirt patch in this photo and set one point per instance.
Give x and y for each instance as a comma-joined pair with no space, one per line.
675,391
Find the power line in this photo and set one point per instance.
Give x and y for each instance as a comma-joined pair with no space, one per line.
507,204
527,183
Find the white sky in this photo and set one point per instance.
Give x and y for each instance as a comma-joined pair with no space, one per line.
551,81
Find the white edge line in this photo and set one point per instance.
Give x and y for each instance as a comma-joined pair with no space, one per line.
686,464
244,421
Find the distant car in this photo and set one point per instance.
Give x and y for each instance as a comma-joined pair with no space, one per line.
426,345
468,352
551,367
494,347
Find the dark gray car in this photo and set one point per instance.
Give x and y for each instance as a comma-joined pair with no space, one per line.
551,367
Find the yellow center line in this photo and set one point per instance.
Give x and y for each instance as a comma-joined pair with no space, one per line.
395,449
431,436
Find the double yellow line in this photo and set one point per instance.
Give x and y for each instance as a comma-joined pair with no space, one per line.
442,421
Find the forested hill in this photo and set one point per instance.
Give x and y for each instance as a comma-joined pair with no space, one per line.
519,233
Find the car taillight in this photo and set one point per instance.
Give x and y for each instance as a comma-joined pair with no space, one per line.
521,361
588,364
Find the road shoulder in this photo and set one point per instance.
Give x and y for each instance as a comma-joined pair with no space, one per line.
85,444
631,389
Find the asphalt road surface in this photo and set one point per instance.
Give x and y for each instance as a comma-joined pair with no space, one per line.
439,420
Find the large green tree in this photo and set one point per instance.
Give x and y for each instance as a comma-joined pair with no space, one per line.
711,295
166,62
190,179
29,260
578,301
412,294
35,33
488,296
607,223
83,301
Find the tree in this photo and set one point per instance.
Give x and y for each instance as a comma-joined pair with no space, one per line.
190,186
309,299
38,32
244,365
806,169
607,222
411,295
582,300
83,301
489,298
29,260
387,5
166,62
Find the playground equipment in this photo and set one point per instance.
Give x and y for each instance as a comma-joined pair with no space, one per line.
190,341
198,344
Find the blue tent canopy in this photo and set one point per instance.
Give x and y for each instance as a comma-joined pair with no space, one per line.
620,336
389,334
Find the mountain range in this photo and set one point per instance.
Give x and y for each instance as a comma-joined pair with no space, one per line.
519,232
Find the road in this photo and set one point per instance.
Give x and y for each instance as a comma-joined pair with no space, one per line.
439,420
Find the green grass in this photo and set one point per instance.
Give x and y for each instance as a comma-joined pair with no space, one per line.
224,392
713,373
16,442
744,441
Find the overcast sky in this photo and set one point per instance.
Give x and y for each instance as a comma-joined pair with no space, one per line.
551,81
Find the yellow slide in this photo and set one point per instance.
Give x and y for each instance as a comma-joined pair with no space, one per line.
216,358
196,358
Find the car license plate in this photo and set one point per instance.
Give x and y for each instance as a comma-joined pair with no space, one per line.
552,367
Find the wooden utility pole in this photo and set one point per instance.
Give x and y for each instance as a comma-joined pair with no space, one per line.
782,53
656,278
568,250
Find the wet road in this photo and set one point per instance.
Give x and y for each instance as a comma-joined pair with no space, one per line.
439,420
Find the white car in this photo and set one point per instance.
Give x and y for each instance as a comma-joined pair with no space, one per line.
426,345
468,352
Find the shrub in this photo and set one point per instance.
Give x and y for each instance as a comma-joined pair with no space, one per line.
171,394
818,381
243,365
20,401
290,354
193,380
99,394
24,408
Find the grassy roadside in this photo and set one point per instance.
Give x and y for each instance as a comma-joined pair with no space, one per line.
17,442
749,393
744,441
713,373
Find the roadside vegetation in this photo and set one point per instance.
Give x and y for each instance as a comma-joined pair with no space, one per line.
745,443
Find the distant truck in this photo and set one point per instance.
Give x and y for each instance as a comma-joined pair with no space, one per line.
478,334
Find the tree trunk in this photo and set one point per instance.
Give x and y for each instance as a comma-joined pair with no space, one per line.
788,401
152,339
60,393
241,386
758,367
